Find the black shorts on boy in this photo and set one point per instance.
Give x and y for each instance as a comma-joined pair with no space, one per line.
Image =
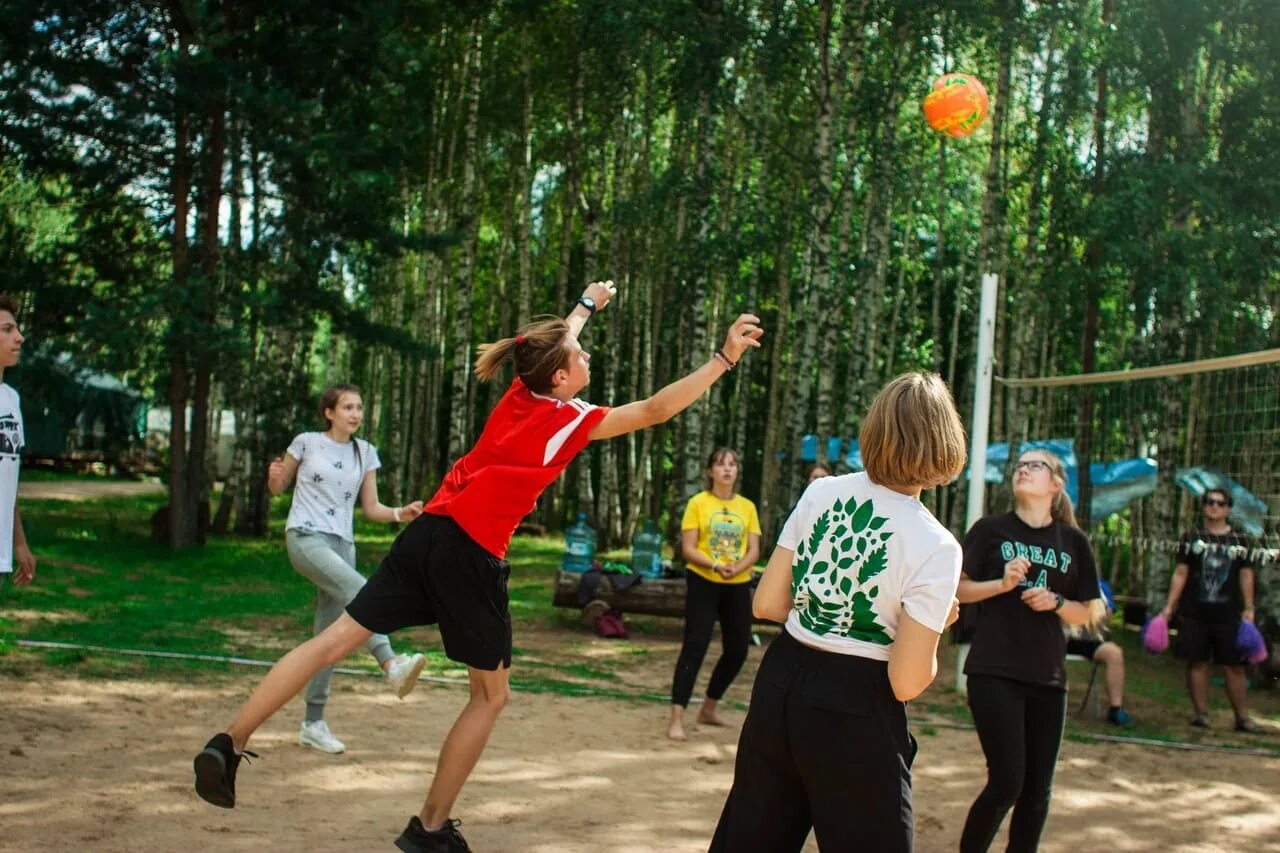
435,574
825,747
1204,642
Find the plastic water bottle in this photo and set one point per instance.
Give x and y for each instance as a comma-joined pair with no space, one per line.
646,551
579,546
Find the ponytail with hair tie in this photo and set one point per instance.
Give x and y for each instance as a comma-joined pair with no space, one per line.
538,351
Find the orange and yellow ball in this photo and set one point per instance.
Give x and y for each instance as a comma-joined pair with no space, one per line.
957,106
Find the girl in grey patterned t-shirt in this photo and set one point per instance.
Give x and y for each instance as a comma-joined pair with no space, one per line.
334,470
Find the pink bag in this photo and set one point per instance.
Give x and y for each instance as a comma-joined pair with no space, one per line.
1155,635
1250,644
610,625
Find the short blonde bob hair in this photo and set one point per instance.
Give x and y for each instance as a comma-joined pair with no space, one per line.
912,436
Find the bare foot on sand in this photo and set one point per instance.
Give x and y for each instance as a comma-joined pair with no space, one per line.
709,716
675,728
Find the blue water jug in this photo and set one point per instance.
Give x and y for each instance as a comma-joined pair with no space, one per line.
646,551
579,546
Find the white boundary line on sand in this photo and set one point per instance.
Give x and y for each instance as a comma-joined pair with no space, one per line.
80,647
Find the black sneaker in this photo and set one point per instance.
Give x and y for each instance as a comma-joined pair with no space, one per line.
1200,721
215,768
1248,726
418,839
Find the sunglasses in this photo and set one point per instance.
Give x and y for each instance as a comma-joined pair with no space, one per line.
1032,465
1216,502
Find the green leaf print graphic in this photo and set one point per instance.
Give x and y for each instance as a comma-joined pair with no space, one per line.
877,561
837,561
798,571
862,517
865,627
820,528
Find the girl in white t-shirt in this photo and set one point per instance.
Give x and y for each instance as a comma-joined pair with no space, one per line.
864,578
334,470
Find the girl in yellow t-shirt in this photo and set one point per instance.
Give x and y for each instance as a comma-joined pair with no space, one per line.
720,538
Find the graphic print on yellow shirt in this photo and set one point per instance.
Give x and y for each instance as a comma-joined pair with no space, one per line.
727,536
723,528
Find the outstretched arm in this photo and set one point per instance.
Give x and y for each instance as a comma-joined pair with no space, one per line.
679,395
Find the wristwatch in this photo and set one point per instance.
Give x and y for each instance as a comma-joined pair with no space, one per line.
586,302
1061,601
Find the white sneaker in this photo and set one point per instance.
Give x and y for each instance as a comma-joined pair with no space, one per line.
403,673
317,736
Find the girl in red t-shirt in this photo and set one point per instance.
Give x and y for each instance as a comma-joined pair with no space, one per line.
447,566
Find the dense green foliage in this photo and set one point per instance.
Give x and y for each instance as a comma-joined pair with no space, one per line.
235,205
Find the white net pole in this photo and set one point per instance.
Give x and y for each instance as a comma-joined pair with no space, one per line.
983,372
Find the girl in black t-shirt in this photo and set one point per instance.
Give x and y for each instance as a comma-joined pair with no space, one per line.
1032,570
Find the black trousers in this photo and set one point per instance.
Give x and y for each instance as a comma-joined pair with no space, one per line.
824,746
706,602
1020,728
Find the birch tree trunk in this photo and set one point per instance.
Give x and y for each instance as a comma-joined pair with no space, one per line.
460,406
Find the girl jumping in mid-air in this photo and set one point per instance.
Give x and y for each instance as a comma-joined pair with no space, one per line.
447,567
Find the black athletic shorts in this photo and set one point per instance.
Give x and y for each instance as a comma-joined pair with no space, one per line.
1199,642
435,574
1085,648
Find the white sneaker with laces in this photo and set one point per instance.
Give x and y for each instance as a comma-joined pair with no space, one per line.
317,736
403,673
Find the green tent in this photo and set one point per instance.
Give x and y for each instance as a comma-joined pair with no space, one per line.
71,411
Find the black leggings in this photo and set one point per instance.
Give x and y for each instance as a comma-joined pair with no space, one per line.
705,602
1020,727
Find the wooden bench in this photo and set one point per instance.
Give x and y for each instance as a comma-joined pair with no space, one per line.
651,597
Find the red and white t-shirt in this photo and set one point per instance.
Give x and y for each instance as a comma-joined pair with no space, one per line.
527,441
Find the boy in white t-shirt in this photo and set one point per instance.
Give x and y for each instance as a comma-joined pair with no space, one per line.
864,578
13,540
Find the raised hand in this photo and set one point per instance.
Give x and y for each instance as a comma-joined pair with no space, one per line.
745,332
600,292
1015,571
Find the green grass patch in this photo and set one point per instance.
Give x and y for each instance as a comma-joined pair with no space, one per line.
102,582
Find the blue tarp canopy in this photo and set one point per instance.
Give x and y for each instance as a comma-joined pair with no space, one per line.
1115,484
1247,511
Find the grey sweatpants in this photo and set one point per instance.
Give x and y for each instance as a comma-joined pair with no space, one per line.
329,562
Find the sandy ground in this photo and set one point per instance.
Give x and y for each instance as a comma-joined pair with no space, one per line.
106,766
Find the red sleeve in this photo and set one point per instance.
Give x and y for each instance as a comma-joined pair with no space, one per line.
580,436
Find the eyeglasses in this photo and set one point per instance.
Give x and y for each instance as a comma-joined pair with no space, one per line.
1216,502
1032,465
